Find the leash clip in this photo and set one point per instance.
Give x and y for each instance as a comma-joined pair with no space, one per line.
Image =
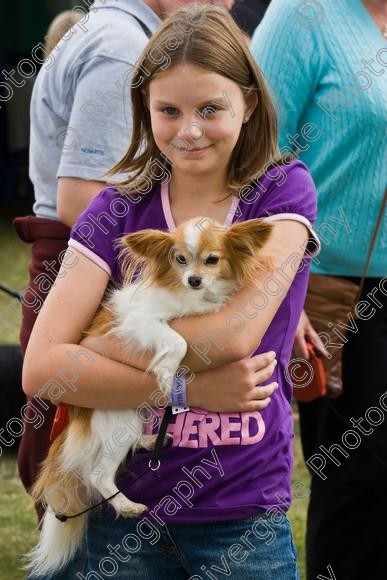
154,462
157,464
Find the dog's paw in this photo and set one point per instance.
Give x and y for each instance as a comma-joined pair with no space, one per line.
134,512
130,509
167,438
158,357
164,377
148,442
169,355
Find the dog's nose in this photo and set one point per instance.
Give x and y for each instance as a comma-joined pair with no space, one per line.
194,281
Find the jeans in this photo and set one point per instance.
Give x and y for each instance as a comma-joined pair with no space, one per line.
256,548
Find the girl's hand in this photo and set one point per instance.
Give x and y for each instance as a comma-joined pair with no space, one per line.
227,389
233,388
306,331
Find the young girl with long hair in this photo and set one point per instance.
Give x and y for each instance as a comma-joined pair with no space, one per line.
204,144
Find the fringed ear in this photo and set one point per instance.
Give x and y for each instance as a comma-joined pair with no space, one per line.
145,250
247,238
148,244
244,242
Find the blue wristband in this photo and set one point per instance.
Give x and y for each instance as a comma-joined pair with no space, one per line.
178,396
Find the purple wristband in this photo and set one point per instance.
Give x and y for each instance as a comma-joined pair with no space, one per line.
178,396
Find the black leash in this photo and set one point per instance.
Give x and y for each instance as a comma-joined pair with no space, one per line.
154,460
12,293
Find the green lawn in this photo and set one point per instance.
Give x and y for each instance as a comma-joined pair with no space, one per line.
17,517
13,274
17,521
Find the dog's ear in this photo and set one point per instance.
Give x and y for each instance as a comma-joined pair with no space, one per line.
245,239
148,244
244,242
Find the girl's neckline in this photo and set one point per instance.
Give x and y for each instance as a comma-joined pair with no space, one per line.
165,202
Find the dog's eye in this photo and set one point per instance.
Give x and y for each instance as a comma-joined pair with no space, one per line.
180,259
212,260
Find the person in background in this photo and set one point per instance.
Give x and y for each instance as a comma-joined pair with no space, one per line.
325,63
249,13
60,26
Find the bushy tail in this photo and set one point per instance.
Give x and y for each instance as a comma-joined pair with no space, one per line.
57,546
61,488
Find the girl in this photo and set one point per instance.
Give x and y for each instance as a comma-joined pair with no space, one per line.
204,143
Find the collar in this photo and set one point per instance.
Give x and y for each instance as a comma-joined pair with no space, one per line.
136,7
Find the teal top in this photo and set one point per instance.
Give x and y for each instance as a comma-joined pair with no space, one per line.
325,63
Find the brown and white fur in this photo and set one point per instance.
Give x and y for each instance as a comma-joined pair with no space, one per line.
218,262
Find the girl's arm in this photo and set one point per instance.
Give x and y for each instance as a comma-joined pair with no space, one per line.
285,249
56,367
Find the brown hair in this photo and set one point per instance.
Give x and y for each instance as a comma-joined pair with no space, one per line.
217,45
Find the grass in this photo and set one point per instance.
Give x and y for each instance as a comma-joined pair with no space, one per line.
17,521
15,256
17,516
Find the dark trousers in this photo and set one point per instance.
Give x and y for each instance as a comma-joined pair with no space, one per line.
347,516
49,239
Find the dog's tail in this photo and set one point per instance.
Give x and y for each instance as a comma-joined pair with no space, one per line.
58,544
61,488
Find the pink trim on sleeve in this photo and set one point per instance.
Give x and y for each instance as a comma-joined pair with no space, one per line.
302,219
91,255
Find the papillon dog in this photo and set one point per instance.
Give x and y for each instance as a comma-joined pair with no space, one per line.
167,275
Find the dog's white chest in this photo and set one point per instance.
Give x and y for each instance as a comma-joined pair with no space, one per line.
162,304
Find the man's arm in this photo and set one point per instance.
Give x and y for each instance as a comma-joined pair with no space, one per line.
102,135
73,196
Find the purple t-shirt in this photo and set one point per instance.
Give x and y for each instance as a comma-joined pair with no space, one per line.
219,466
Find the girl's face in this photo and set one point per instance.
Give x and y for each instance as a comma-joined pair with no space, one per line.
196,118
